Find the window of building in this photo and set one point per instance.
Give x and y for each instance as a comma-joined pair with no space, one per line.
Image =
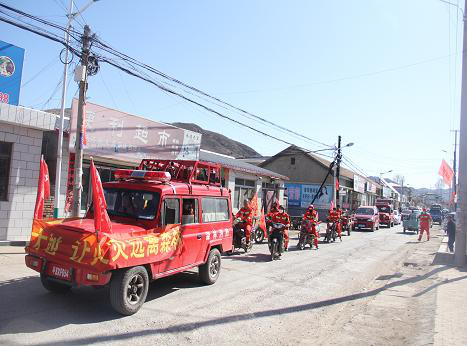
190,211
244,189
292,160
5,160
215,209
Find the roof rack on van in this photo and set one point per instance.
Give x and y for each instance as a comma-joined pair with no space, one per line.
191,172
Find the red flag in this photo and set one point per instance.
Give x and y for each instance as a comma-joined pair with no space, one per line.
262,222
337,184
43,189
101,218
83,129
331,207
254,204
446,172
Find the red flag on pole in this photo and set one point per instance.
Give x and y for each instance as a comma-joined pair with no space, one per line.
331,207
337,184
43,189
101,218
446,172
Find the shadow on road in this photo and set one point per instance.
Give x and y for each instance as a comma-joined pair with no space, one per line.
189,327
249,257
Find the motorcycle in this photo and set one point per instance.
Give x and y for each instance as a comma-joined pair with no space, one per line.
258,235
239,236
347,224
276,240
305,236
331,232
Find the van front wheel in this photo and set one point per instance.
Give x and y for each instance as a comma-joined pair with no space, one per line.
209,271
128,289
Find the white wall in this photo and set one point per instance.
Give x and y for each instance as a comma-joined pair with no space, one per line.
16,214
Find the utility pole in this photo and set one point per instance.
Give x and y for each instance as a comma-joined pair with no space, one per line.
459,253
78,186
58,169
454,180
338,170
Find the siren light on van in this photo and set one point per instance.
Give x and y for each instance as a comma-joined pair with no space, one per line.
122,174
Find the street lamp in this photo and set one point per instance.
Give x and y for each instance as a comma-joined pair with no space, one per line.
58,170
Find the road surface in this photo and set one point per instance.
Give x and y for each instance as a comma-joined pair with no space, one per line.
371,288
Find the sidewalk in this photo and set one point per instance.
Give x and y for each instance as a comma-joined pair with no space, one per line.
451,312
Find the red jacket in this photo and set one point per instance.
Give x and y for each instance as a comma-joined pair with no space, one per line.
311,216
334,216
425,220
282,218
246,215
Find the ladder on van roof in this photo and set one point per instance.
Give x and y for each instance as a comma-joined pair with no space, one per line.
185,171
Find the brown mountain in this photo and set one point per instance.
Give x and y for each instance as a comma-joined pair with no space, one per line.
218,143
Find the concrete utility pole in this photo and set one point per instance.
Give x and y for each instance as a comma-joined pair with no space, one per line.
58,169
78,186
460,248
338,170
454,180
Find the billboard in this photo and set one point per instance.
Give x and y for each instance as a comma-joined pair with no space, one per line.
117,135
301,195
11,69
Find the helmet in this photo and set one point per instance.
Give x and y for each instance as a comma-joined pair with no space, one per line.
424,209
311,206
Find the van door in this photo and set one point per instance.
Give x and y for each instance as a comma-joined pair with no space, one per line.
170,215
191,231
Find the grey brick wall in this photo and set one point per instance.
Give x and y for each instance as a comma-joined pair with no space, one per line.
16,213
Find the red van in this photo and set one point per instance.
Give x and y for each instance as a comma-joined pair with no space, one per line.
167,217
366,217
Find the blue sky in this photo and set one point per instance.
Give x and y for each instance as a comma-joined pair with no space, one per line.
383,74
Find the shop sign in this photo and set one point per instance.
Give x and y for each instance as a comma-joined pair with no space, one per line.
11,68
358,184
117,135
301,195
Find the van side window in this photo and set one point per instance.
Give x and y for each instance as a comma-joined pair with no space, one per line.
215,209
171,212
190,211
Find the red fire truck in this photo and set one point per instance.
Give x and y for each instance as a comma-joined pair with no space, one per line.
166,217
386,212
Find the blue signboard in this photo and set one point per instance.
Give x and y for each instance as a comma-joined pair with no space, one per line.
301,195
11,68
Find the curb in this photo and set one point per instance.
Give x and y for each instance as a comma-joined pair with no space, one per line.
13,243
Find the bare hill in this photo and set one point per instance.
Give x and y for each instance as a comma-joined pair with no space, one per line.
218,143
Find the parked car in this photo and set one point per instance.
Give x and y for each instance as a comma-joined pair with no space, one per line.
366,217
397,217
412,223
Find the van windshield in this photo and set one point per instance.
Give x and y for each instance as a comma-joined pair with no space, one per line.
364,211
134,204
384,209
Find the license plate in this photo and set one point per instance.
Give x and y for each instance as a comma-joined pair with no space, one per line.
361,225
59,272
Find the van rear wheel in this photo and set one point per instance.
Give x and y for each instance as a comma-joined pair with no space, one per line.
209,271
128,289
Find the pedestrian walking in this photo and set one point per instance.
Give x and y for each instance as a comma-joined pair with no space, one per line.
425,223
451,230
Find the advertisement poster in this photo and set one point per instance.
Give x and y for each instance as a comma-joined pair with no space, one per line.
11,69
358,184
301,195
117,135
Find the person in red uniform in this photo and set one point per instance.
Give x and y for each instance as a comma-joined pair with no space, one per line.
425,221
311,216
335,216
274,210
282,217
246,215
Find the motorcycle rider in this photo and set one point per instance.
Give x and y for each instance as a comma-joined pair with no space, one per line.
425,220
335,216
246,215
280,216
311,215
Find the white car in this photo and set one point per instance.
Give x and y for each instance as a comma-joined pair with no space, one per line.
397,217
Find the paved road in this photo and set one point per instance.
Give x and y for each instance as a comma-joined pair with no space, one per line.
305,298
